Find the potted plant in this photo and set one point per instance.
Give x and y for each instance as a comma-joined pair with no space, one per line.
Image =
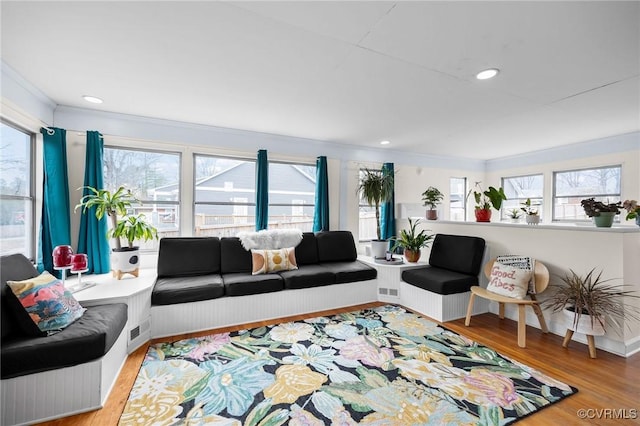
633,210
532,217
376,187
114,204
431,198
485,200
601,213
587,300
514,215
412,241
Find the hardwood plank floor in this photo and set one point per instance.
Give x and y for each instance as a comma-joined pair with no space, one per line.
609,386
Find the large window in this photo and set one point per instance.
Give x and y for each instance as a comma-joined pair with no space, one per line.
224,196
16,191
572,186
520,188
457,194
367,229
292,189
154,178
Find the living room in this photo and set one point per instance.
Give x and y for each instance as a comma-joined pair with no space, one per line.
336,80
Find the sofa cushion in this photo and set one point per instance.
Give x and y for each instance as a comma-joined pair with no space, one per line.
457,253
241,284
170,290
188,256
307,276
439,280
85,340
13,267
348,272
307,250
336,246
234,258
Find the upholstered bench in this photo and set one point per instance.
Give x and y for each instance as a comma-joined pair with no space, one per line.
441,290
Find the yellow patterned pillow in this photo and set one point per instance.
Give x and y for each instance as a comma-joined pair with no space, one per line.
266,261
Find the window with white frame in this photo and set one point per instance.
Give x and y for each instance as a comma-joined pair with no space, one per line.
572,186
154,179
224,195
292,189
367,226
17,233
520,188
457,195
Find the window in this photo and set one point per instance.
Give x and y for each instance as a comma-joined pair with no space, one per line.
154,179
518,189
457,195
16,192
224,196
570,187
367,226
292,189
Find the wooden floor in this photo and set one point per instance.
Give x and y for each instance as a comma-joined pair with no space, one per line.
609,386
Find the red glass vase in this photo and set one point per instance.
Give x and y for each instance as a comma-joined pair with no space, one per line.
62,256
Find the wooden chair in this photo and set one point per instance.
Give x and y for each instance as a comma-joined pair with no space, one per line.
542,281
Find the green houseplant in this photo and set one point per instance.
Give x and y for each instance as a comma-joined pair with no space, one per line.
514,215
431,198
633,210
485,200
531,212
601,213
412,241
376,187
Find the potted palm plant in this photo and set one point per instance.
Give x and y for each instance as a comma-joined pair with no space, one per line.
412,241
431,198
132,228
602,214
376,188
485,200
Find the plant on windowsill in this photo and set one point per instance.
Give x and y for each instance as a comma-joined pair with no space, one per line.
514,215
633,210
431,198
601,213
485,200
532,217
411,241
376,187
131,228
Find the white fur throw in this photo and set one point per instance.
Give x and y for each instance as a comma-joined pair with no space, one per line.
270,239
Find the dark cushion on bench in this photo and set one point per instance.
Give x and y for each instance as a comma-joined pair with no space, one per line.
234,258
87,339
439,280
181,257
348,272
307,250
241,284
170,290
457,253
14,267
307,276
336,246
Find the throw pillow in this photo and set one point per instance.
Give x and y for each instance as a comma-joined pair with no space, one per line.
266,261
50,306
509,281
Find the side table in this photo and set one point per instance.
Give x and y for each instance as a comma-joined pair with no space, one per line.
134,291
390,276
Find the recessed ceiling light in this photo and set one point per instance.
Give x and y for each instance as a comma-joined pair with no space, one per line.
486,74
92,99
385,143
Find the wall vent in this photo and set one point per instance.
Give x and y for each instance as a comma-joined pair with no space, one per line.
383,290
393,292
134,333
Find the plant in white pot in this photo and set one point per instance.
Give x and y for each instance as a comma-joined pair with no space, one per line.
532,217
431,198
132,228
376,187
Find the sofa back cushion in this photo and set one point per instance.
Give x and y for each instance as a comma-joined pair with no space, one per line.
234,258
14,267
307,250
336,246
458,253
181,257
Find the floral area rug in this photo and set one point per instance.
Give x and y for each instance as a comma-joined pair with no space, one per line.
381,366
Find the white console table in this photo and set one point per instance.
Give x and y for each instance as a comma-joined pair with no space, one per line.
134,291
390,276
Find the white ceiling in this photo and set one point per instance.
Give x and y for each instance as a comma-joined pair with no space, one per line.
346,72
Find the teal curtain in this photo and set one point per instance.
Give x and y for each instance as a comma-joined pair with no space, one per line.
321,210
387,210
262,191
92,238
55,228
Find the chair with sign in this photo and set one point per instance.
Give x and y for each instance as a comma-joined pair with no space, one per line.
541,279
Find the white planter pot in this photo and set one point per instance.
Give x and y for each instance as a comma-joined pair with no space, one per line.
532,219
379,248
584,326
125,261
